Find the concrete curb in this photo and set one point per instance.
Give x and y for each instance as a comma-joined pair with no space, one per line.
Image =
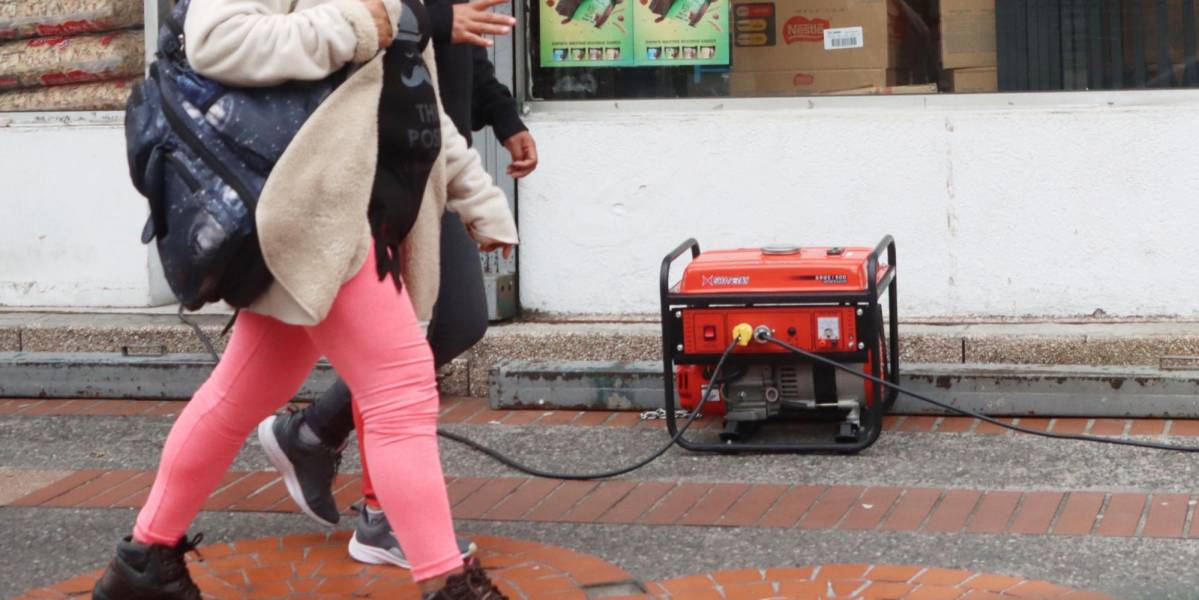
1008,390
1013,390
106,375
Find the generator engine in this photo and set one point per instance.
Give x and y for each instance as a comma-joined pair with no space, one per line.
761,392
825,300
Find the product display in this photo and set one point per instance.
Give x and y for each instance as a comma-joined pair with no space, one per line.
106,95
66,60
586,33
47,18
681,32
816,35
798,47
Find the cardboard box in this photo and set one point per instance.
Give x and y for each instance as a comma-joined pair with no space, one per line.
801,83
897,90
967,34
794,35
985,79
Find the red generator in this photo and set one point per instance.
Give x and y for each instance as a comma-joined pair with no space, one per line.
824,300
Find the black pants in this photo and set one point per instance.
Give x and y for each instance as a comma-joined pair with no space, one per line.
459,322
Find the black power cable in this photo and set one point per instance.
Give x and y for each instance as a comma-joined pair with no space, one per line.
961,411
204,339
504,460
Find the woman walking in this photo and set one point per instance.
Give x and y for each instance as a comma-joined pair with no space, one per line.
341,222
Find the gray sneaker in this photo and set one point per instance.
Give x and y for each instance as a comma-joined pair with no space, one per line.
308,470
374,543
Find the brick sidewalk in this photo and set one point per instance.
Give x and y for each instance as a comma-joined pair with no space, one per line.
316,566
1093,511
623,502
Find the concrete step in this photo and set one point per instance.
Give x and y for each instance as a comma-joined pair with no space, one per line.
1097,342
113,375
1080,341
1010,390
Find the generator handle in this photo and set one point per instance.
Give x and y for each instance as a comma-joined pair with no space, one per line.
888,244
664,277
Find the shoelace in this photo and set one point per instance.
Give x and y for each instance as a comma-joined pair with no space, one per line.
192,545
176,568
481,583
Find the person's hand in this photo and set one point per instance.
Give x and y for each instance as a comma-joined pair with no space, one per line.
474,20
382,21
505,248
524,154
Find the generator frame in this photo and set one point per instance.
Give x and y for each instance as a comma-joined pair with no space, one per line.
870,321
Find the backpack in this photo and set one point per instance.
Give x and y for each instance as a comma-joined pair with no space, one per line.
200,153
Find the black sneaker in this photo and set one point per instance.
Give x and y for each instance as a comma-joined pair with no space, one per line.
472,584
148,572
374,543
308,470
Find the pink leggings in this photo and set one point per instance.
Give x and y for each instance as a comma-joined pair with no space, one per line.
372,338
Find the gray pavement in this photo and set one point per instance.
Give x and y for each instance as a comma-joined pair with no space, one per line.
42,546
1016,462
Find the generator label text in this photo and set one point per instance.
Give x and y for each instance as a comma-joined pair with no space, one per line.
723,280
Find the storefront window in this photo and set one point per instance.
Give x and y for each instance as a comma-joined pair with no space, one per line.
602,49
69,55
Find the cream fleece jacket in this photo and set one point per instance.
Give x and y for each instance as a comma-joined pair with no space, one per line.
311,216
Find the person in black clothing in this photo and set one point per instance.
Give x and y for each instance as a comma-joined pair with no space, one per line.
306,446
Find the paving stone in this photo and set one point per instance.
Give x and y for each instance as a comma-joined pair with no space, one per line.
16,483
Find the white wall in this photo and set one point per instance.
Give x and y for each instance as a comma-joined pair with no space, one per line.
70,221
998,206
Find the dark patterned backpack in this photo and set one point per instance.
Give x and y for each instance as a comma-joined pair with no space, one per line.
200,152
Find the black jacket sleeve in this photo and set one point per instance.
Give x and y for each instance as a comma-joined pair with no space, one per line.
491,102
441,19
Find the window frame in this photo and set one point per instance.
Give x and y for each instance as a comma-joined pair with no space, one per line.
998,101
1055,100
523,80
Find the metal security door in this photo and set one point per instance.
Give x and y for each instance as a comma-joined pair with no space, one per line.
499,274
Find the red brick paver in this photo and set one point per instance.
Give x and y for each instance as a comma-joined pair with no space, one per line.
955,509
660,503
1078,516
1122,515
1036,512
883,582
297,566
994,512
912,509
1167,516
